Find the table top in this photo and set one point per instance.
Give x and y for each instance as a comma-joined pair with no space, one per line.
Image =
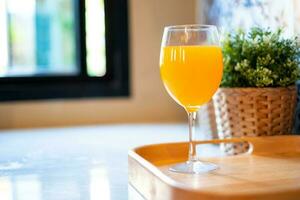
86,163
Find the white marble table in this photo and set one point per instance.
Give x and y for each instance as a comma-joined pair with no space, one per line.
78,163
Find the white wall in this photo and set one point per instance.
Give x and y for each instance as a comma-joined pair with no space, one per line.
149,101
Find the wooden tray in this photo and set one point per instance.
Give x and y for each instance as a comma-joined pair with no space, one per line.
270,170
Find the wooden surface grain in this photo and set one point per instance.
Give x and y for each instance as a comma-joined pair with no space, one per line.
271,170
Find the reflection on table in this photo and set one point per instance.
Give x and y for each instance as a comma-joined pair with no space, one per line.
74,163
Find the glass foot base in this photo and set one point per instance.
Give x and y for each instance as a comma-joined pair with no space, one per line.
193,167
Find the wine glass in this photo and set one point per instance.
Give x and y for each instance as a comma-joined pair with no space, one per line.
191,69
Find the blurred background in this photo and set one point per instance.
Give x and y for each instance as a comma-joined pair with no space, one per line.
39,38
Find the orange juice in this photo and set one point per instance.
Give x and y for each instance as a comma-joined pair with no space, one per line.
191,74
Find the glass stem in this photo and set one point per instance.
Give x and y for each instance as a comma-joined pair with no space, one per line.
192,145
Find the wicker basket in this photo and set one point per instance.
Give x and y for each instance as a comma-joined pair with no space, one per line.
253,112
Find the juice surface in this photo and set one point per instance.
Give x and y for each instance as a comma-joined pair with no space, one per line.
191,74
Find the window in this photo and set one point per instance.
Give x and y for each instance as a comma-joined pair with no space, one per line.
63,49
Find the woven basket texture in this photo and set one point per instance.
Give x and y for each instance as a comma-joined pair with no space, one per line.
212,119
253,112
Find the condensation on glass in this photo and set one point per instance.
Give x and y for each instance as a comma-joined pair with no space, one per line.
38,38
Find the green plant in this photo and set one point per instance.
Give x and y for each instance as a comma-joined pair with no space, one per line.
260,58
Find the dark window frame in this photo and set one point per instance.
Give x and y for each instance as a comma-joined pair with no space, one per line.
114,83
